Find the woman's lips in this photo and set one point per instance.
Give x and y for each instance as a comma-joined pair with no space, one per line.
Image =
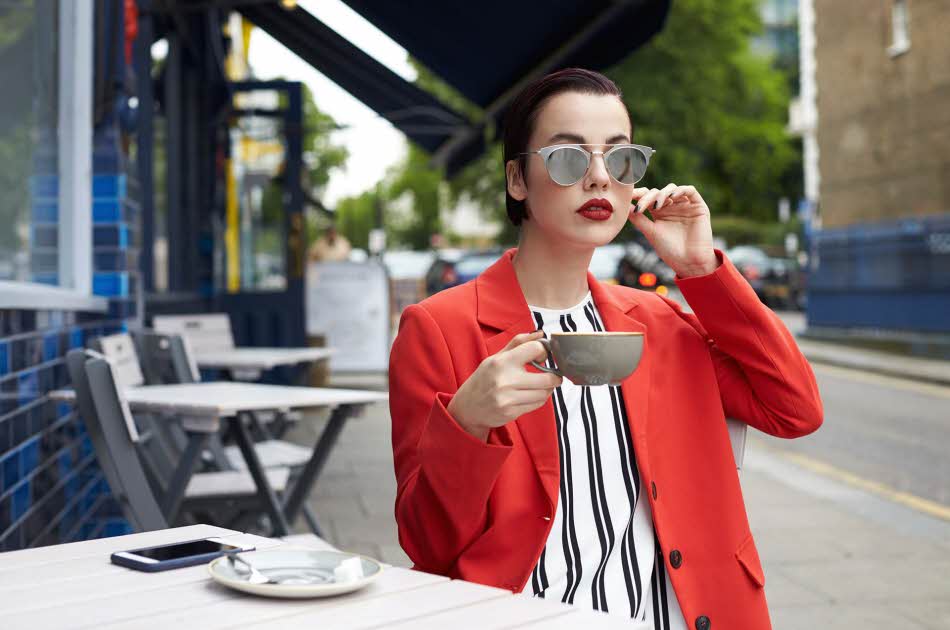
596,210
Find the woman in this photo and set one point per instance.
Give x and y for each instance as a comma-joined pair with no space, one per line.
624,498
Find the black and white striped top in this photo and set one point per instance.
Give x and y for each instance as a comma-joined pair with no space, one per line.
601,551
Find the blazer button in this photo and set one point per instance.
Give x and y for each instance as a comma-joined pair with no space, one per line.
653,488
703,623
676,559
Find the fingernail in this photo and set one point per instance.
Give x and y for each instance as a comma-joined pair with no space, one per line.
656,204
637,208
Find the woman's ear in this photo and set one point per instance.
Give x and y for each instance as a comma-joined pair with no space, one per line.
516,185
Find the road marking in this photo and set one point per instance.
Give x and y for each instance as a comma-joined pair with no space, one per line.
920,504
928,389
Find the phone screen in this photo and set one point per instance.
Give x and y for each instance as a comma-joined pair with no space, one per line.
183,550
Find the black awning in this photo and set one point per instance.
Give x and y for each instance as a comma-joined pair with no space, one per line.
418,114
485,49
488,48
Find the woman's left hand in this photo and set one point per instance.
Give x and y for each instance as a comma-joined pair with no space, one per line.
680,232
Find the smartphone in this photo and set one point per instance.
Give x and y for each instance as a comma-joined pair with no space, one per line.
175,555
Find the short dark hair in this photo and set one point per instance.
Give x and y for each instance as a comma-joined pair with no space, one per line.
522,115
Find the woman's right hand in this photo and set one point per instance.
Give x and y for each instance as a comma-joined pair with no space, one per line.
501,389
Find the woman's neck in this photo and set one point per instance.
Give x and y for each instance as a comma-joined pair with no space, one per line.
551,276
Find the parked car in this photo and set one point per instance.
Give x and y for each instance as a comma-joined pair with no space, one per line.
458,267
406,270
441,273
642,268
777,281
473,263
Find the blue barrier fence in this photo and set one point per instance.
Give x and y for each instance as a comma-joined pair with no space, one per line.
893,275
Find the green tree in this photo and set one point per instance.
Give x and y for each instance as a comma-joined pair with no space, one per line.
416,178
714,110
356,216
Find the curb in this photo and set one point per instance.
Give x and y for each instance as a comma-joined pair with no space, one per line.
933,372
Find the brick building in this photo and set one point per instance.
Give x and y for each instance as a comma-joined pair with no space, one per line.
881,77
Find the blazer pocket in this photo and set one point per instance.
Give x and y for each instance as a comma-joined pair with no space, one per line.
748,557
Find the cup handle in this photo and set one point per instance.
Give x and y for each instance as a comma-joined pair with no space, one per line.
547,346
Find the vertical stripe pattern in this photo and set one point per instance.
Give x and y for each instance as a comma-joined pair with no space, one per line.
601,550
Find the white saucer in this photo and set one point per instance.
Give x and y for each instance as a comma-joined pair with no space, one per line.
304,573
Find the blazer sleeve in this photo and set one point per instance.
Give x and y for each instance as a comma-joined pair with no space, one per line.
444,475
764,380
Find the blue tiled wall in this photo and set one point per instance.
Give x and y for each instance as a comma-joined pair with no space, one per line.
51,489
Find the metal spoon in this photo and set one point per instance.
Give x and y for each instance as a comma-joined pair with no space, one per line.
253,575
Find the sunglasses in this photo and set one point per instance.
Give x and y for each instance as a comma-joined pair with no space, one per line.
568,163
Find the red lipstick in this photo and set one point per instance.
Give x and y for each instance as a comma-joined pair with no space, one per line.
596,210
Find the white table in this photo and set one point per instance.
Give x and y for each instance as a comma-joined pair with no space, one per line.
256,360
202,406
205,404
75,586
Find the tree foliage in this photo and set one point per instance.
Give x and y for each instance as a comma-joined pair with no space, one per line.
714,110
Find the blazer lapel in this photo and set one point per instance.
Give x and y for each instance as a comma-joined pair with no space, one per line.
503,313
616,309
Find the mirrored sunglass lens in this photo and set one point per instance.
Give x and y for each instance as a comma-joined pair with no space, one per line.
627,165
567,165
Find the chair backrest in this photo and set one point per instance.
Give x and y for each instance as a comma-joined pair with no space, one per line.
203,331
103,414
166,358
119,349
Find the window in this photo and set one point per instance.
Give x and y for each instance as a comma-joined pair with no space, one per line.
29,116
46,147
900,29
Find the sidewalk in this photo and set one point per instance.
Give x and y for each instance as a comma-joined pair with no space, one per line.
886,363
834,557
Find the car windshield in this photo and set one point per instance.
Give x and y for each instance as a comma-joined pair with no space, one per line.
747,255
472,265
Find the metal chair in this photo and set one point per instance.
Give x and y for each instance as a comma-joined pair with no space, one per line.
117,458
166,358
219,497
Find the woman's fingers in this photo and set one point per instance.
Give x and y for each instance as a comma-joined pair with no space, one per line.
521,339
661,198
646,201
536,380
684,193
637,193
529,350
644,224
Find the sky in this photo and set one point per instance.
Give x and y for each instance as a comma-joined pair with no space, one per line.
374,144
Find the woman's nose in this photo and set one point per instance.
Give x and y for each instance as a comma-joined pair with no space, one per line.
597,175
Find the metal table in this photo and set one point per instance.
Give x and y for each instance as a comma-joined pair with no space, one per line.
202,406
248,363
75,586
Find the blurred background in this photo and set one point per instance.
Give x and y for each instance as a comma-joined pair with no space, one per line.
272,159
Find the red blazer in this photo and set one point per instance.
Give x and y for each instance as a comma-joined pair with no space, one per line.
482,512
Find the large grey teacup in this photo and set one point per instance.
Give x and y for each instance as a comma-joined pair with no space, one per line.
594,358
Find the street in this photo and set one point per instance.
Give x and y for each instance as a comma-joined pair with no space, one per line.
883,430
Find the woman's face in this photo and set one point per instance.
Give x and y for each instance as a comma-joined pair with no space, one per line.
555,211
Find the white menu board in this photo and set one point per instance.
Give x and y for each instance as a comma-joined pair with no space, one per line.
349,303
